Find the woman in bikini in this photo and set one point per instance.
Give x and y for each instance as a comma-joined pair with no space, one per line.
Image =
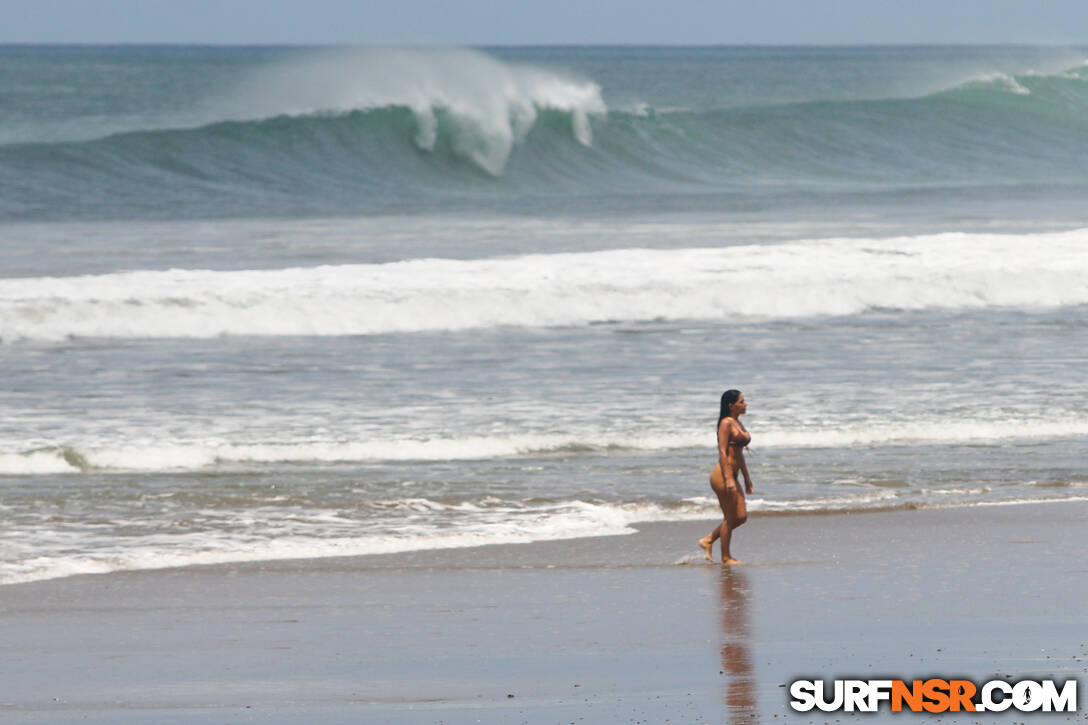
732,438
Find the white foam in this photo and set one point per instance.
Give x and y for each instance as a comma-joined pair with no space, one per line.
1077,73
36,462
496,525
1002,82
828,503
800,279
143,456
1017,502
949,432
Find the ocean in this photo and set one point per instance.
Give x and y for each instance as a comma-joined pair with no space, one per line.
264,303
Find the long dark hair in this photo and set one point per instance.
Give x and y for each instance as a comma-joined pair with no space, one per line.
728,398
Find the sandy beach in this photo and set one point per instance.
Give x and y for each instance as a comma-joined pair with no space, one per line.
610,629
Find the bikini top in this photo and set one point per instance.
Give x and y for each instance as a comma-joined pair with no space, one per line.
739,443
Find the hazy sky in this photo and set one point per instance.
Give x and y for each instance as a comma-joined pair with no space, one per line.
516,22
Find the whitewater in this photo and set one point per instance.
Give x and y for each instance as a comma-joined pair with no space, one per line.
801,279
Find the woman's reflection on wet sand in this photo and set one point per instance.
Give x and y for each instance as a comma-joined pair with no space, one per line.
740,686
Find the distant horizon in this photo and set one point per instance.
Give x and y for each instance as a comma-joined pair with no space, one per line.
520,23
205,44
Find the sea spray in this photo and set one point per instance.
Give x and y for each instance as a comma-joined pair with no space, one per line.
477,105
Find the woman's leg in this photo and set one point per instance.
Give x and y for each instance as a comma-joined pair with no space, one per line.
717,484
735,509
707,543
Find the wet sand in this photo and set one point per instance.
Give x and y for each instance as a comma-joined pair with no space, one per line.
604,630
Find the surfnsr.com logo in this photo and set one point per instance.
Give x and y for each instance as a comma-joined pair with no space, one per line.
934,695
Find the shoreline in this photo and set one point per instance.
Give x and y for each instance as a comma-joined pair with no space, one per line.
606,628
459,553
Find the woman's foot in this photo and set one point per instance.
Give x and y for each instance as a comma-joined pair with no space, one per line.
707,545
730,560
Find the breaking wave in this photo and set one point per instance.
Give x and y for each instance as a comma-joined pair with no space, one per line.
392,130
792,280
115,456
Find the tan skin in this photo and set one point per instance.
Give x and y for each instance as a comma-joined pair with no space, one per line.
732,438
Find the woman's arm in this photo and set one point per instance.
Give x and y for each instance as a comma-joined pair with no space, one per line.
748,488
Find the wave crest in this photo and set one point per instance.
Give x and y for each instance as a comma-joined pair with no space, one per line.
118,456
483,105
